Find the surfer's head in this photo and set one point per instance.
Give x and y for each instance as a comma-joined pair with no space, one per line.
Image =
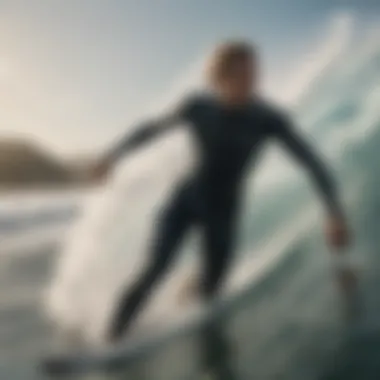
232,71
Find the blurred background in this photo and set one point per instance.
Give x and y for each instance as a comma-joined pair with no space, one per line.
75,75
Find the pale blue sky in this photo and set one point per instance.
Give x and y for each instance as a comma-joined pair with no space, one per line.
75,73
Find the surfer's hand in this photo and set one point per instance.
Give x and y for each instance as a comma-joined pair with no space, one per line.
337,232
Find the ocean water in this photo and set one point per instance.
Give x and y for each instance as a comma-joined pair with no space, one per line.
290,321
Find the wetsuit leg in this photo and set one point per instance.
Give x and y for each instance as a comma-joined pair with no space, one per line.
175,220
218,238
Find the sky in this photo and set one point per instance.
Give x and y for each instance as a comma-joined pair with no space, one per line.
76,74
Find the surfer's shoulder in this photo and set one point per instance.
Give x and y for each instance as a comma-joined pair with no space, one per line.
274,115
195,102
270,109
200,99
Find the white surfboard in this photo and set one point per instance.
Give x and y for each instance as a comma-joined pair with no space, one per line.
108,246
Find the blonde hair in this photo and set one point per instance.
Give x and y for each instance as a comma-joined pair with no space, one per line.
224,56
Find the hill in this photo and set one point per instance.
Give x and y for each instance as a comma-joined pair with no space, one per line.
25,164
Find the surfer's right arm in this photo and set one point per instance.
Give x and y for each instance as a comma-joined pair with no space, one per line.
143,134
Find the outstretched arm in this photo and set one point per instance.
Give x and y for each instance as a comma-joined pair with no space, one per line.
337,233
305,155
142,135
147,131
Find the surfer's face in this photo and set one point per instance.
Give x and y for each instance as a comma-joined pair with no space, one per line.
240,81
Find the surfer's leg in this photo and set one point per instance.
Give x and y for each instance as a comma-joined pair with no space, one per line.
218,237
174,222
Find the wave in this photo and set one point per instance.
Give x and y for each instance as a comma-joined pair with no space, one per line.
339,113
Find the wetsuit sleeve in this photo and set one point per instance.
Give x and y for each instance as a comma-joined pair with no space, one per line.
147,131
284,131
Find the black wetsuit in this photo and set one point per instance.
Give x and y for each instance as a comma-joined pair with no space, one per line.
227,139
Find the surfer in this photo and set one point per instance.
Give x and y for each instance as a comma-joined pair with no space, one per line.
230,125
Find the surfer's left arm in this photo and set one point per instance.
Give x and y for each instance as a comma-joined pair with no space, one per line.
144,133
337,231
